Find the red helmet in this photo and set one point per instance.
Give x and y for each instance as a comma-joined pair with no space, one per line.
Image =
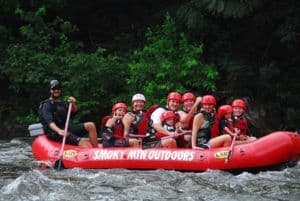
239,103
224,109
188,96
167,115
119,105
174,96
209,99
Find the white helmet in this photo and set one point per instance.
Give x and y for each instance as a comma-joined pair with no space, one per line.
138,97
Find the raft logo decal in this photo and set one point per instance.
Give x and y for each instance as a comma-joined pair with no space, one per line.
70,153
221,154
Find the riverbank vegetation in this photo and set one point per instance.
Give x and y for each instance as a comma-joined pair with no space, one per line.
106,51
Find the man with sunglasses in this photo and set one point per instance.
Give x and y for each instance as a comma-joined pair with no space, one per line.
53,114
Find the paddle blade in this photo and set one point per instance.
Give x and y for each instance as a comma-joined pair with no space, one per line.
58,165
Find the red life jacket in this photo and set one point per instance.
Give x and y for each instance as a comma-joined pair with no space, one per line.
160,135
118,130
242,124
215,128
151,109
105,119
229,124
140,123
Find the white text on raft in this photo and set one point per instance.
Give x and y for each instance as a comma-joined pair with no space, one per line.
144,155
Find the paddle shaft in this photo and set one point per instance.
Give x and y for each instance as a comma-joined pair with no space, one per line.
166,137
136,136
175,135
149,144
129,135
60,156
231,149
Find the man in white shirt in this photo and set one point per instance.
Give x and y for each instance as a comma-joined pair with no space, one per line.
173,102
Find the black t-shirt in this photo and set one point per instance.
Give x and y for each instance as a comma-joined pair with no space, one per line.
53,111
222,124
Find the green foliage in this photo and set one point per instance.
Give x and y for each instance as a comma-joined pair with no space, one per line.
96,80
169,62
251,50
45,53
28,119
254,44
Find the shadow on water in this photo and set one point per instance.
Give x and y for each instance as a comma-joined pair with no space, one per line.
20,179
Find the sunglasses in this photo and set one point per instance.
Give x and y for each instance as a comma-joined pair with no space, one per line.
55,88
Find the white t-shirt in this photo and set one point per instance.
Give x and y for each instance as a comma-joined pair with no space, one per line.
155,116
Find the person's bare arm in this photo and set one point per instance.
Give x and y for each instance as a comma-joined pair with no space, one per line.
111,121
185,119
55,128
127,121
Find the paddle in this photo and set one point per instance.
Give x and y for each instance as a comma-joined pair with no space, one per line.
58,163
136,136
152,141
231,149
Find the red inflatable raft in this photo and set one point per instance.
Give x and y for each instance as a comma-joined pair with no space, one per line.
273,149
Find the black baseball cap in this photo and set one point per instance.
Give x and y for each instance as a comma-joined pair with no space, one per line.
54,83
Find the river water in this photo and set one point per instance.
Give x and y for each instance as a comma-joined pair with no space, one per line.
22,179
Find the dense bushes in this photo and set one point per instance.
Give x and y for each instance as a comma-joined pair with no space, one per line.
200,46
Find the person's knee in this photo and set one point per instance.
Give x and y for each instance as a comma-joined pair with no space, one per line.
134,143
169,143
83,143
227,140
89,125
187,138
228,137
173,143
